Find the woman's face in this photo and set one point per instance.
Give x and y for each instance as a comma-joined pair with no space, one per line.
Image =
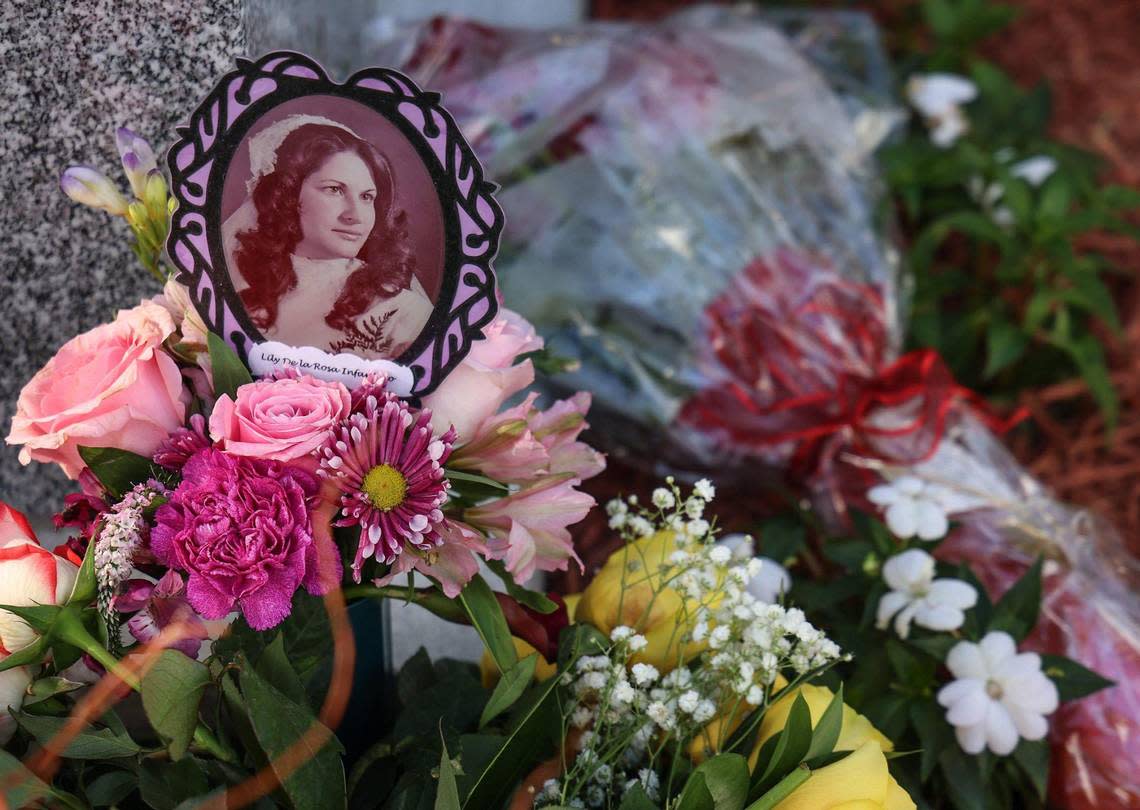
337,208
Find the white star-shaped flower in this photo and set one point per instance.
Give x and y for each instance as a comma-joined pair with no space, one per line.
915,595
913,507
999,697
939,98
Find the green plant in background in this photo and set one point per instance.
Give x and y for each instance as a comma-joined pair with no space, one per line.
995,212
902,664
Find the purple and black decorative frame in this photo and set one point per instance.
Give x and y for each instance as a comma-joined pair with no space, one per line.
472,219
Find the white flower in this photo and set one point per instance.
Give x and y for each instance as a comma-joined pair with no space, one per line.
644,674
663,498
1035,170
720,554
938,97
999,695
638,642
936,604
913,507
704,489
770,582
621,633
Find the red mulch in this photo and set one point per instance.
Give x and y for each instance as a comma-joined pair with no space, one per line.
1089,53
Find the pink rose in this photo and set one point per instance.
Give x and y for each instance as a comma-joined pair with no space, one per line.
280,420
111,387
487,377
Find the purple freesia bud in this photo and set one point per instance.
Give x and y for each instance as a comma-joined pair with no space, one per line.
90,187
138,158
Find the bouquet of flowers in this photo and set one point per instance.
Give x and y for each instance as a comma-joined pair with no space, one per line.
213,502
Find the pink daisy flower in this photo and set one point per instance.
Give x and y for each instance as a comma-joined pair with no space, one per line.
389,470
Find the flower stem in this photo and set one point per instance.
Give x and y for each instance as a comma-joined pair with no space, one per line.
782,790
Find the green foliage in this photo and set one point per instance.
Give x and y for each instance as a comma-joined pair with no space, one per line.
171,693
229,371
486,616
509,688
117,470
1003,287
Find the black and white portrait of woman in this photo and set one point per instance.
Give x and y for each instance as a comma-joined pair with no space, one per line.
320,251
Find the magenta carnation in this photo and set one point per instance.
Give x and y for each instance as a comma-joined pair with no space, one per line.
240,528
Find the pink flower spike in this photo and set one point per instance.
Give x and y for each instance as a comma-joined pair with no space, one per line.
528,528
388,468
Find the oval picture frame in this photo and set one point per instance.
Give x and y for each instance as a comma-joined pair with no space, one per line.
472,220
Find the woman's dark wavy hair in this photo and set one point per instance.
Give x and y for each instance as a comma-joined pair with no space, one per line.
264,253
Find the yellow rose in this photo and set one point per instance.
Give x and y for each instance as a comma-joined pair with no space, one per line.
623,593
859,781
855,731
544,670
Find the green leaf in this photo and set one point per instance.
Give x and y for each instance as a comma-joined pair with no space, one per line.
171,693
781,537
1088,355
1033,759
1055,198
914,669
278,723
229,371
934,733
45,688
826,732
791,745
22,788
84,591
1005,345
447,798
111,788
487,617
41,618
722,779
782,789
90,743
965,783
509,688
274,666
937,645
524,596
414,676
165,785
117,470
474,478
1073,680
637,799
1016,612
521,748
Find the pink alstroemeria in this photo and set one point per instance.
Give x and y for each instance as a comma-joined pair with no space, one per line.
488,376
157,605
558,428
527,528
451,564
523,444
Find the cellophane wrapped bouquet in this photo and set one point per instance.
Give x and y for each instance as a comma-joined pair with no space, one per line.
736,308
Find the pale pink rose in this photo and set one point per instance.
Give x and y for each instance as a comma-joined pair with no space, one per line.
452,564
523,444
279,420
487,377
527,528
111,387
29,575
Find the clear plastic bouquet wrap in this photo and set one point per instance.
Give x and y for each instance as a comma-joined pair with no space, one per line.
695,218
647,167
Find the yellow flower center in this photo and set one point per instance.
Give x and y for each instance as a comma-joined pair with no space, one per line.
385,487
